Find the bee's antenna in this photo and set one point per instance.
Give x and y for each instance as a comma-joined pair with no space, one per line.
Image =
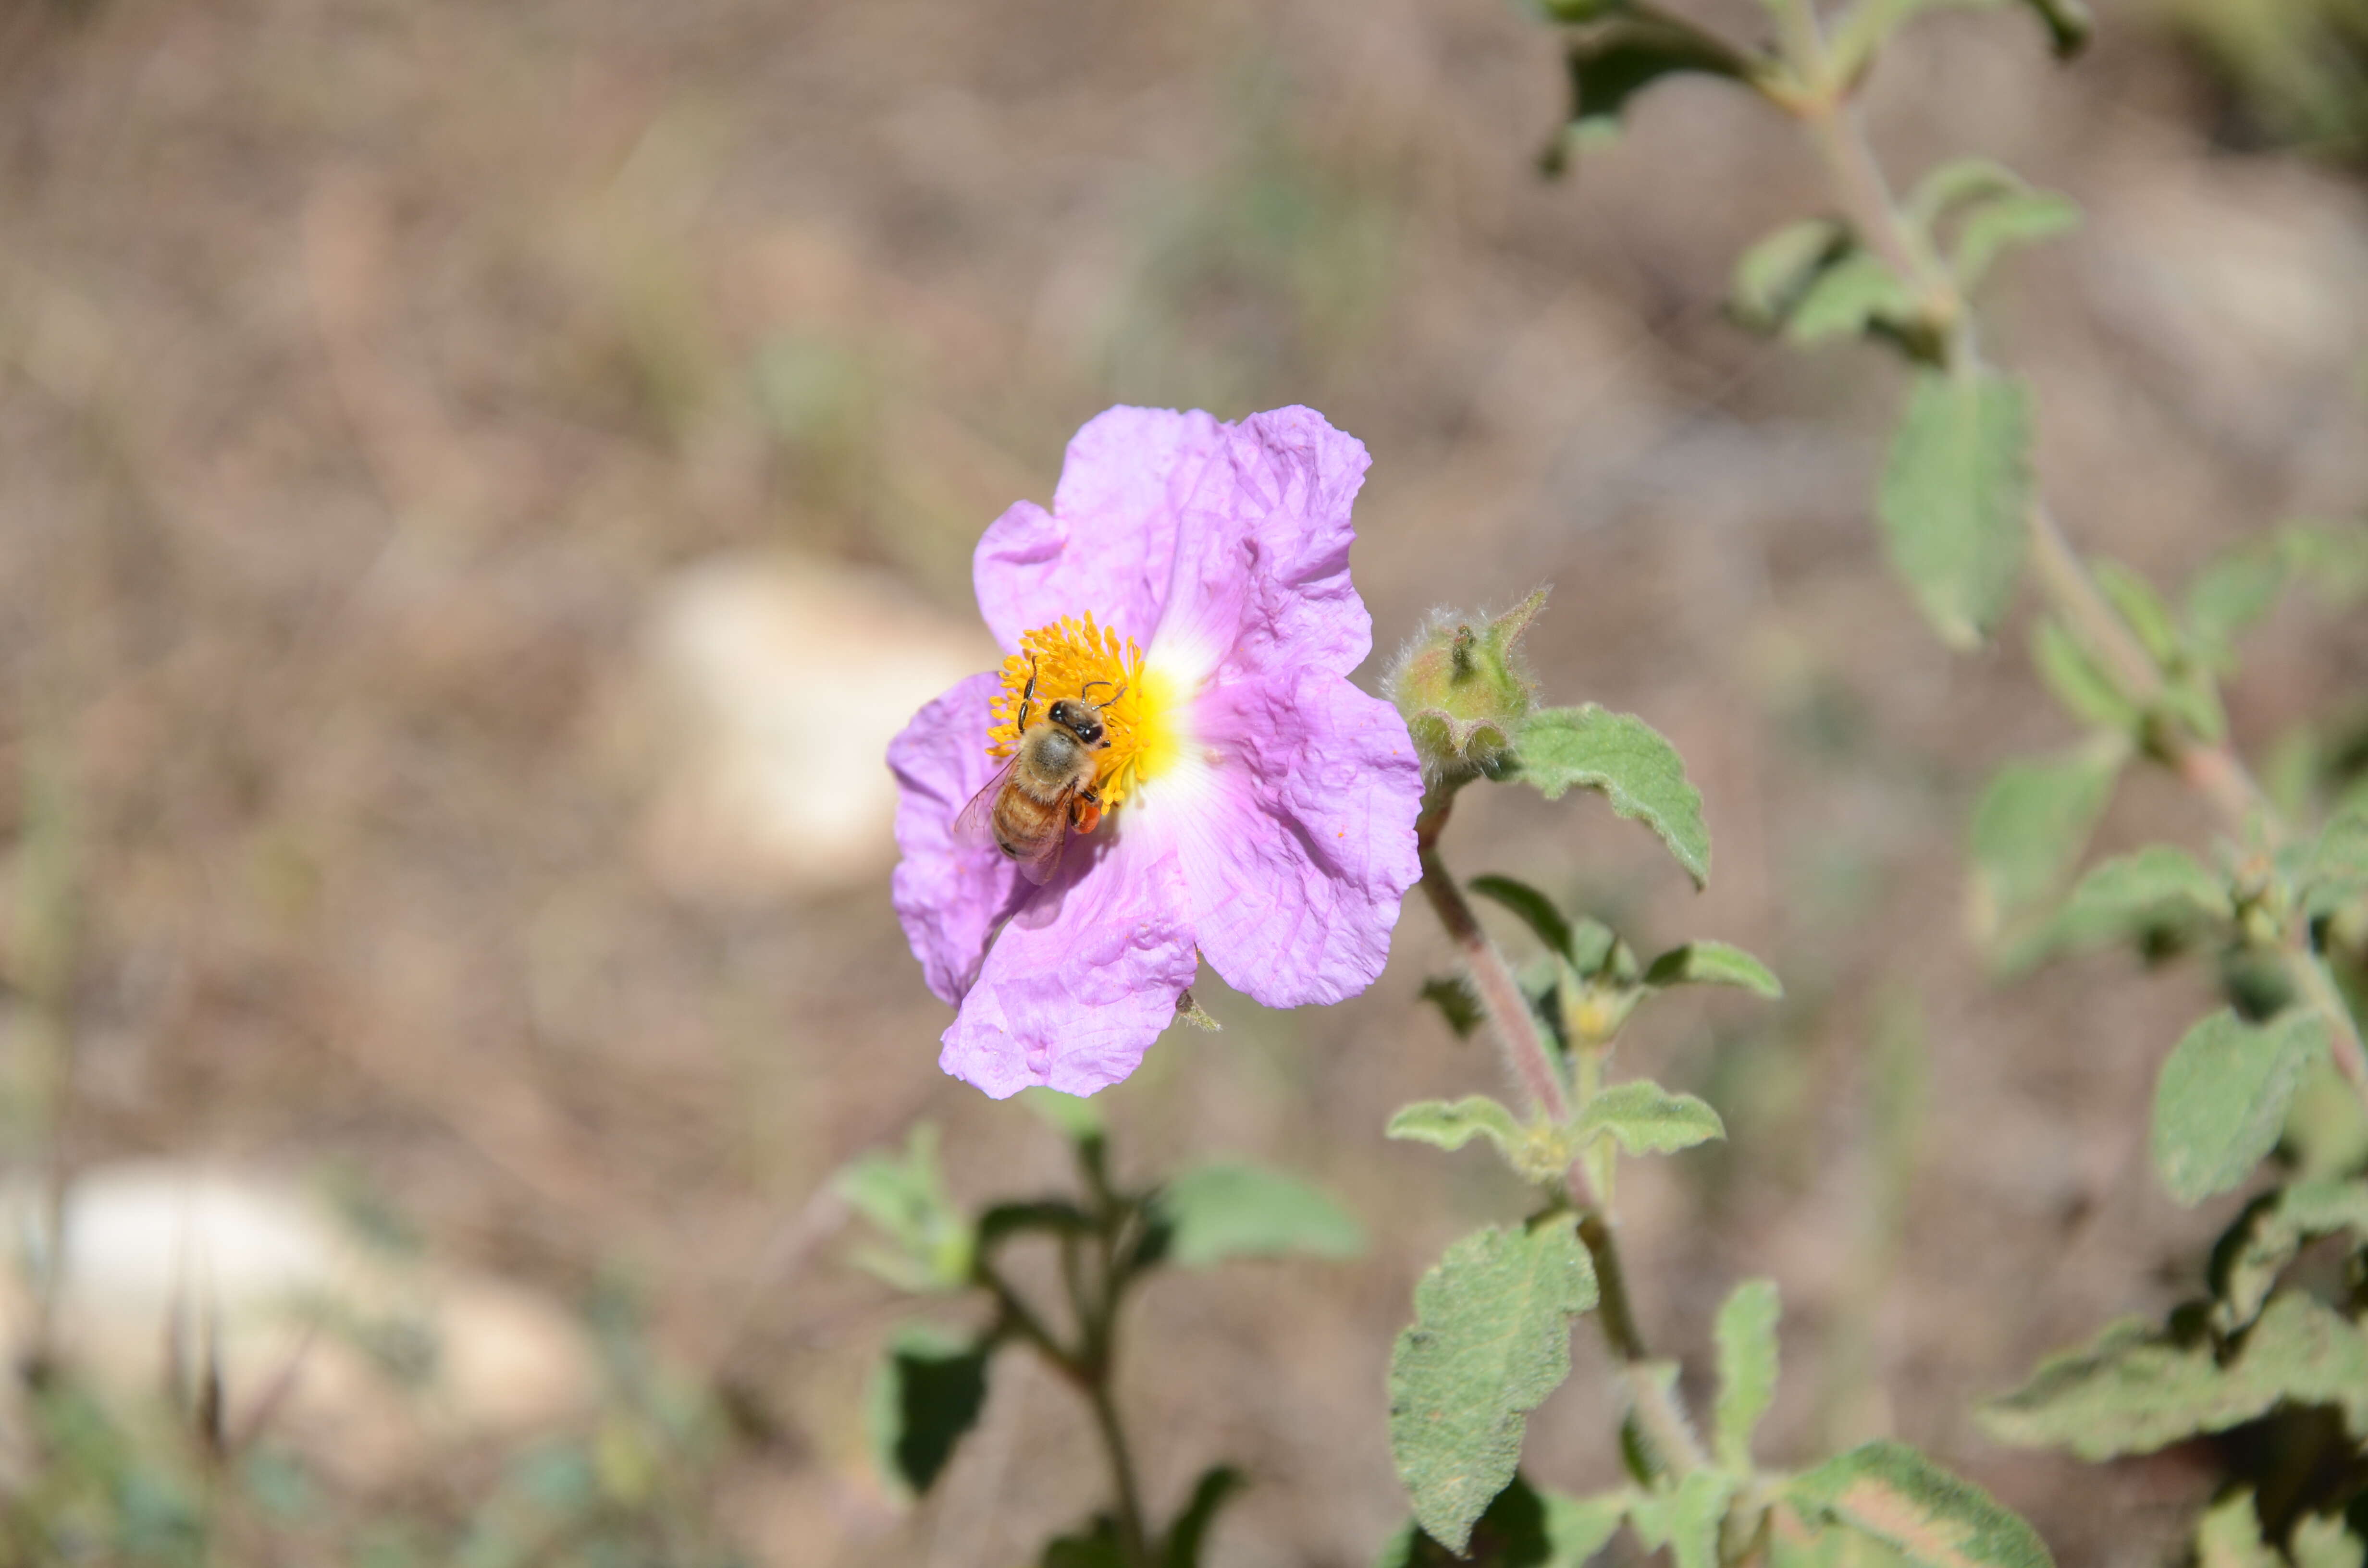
1119,691
1028,695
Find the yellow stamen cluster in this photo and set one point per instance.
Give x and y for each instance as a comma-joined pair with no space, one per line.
1067,657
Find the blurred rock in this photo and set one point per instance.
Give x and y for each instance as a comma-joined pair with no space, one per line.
780,683
371,1360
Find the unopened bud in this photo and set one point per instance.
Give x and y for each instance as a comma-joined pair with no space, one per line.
1463,687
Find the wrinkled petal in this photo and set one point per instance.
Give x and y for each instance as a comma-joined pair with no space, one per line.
1085,977
1109,543
948,896
1299,843
1261,573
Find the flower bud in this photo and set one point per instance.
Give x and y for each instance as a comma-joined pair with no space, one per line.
1462,686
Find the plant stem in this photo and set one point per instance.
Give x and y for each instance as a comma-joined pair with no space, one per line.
1133,1542
1523,1045
1656,1403
2344,1041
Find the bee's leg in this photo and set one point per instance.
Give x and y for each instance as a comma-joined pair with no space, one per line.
1085,811
1027,694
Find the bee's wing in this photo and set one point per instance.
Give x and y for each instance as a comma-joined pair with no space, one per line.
1039,868
974,826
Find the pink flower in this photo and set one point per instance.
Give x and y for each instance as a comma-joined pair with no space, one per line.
1191,581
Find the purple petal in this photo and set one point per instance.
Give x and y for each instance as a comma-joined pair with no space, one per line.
1302,845
948,896
1086,976
1108,543
1261,579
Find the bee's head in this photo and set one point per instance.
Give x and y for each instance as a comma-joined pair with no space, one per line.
1079,718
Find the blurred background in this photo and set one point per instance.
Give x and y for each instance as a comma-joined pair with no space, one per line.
479,485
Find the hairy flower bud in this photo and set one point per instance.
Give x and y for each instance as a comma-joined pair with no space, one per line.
1463,687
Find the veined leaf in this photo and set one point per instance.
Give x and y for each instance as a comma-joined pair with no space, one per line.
1713,963
1777,273
1491,1339
2252,1253
2127,895
1451,1124
1953,498
1686,1517
926,1396
1935,1520
2131,1390
2221,1101
1848,298
1535,909
1646,1118
1526,1526
1746,1368
2031,826
1231,1210
1625,759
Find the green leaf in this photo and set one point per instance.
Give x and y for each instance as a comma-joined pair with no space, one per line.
1526,1526
1863,29
2337,871
1625,759
1612,66
2142,609
1746,1368
1491,1339
2079,683
2133,1390
2249,1256
1686,1517
1230,1210
1935,1520
1536,910
1953,499
2331,558
905,1198
1190,1532
1995,227
2030,829
1097,1546
1646,1118
1777,273
2132,894
1451,1125
1849,297
927,1394
1456,1001
2229,1536
1714,963
1960,182
1073,1118
2221,1101
2320,1540
2232,593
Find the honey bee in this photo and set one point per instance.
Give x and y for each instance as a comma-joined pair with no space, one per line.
1046,788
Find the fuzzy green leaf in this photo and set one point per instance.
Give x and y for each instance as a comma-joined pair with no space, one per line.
905,1198
1685,1518
1714,963
1456,1001
927,1394
1746,1368
1609,68
1995,227
1776,274
1186,1536
2221,1101
1446,1124
2232,592
1960,182
2142,609
2249,1256
1231,1210
2131,1390
2031,826
1628,761
1648,1119
2337,871
2131,894
1526,1526
1849,297
2321,1541
1953,498
2079,683
2229,1536
1890,1492
1490,1340
1535,909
